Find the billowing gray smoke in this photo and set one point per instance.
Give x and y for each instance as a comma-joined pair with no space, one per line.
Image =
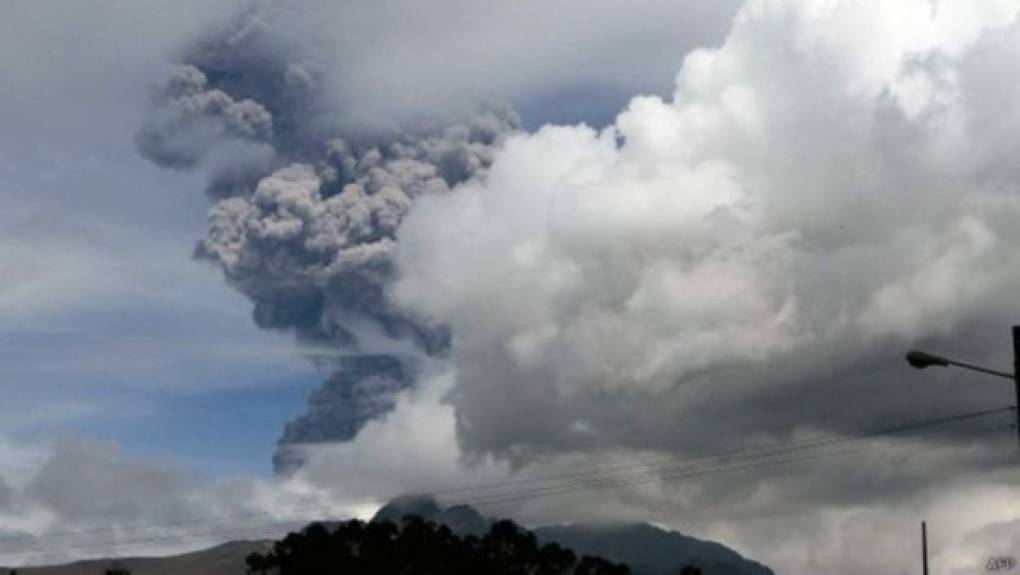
306,213
195,118
362,387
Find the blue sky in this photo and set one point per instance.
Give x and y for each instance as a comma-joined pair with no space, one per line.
111,329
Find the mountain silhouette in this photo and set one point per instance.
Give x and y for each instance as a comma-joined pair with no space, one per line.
461,519
649,550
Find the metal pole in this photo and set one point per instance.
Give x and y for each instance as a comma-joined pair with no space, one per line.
924,547
1016,378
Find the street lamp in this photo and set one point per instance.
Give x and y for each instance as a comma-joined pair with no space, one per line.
922,359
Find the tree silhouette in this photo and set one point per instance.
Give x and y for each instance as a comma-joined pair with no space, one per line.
420,547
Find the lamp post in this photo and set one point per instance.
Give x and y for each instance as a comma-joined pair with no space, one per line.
923,359
924,547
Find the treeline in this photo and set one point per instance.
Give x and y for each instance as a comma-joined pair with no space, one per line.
420,547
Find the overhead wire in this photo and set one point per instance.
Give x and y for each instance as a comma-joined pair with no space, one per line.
668,462
636,479
661,469
248,531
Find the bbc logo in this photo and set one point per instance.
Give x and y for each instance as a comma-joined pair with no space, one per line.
1004,563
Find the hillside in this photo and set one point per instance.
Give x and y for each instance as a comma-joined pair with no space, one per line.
649,550
225,559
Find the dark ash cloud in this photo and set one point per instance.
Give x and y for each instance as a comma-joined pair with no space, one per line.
191,119
306,213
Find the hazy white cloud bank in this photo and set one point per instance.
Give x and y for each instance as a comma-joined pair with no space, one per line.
798,207
749,259
82,498
85,498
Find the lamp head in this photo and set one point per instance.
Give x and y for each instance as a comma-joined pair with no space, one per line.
921,359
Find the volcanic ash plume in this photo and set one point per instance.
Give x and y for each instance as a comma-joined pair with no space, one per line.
194,118
305,219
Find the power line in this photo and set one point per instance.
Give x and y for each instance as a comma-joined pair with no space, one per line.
651,465
737,452
207,536
636,479
639,473
755,454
